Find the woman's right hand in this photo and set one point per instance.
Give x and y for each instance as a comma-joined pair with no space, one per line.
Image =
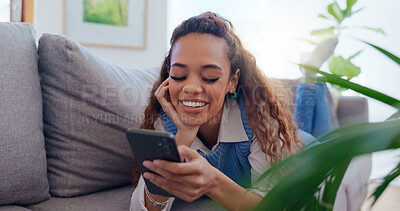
186,134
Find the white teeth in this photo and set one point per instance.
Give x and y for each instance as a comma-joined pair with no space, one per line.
193,104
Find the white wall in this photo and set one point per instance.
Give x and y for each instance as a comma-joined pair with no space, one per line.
4,10
270,29
378,72
48,18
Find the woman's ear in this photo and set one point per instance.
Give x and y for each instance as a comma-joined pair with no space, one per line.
233,81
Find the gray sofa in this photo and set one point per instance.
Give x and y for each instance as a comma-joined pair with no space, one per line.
64,113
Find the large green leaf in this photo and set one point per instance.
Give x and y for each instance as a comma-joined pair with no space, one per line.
298,188
336,12
387,53
355,87
342,67
332,184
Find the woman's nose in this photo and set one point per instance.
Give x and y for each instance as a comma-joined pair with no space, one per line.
192,86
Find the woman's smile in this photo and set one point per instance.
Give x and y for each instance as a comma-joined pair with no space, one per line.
193,106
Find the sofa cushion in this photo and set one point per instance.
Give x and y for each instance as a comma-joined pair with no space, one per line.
13,208
22,153
88,104
115,199
352,109
201,204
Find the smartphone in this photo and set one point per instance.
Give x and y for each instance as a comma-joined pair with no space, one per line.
151,145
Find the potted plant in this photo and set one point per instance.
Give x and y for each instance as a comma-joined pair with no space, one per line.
310,179
302,176
327,39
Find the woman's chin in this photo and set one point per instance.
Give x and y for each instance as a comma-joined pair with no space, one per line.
193,116
192,121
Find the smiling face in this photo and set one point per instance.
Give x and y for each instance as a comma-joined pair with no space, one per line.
200,78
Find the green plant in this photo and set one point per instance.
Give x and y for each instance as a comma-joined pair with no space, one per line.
336,19
309,180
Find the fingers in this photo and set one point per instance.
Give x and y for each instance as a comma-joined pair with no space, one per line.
167,106
164,83
187,153
161,91
170,170
193,163
187,181
178,189
159,170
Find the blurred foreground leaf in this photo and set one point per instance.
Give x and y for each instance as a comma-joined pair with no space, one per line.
302,176
386,181
355,87
387,53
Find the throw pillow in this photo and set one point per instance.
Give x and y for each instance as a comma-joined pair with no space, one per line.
88,104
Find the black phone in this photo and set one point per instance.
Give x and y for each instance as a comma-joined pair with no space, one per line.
151,145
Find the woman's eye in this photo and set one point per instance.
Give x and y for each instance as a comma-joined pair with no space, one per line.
210,80
178,78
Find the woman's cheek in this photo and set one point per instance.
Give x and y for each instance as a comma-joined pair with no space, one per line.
218,94
173,92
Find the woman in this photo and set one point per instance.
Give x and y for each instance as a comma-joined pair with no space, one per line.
228,123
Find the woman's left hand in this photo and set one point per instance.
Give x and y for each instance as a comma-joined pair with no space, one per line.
188,181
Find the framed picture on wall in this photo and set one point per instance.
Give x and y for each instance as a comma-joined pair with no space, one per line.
108,23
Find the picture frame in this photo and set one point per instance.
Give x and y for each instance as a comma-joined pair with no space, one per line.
127,30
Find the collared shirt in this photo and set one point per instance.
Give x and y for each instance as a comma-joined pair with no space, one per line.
231,130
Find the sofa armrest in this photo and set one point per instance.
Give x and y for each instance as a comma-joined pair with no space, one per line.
352,109
354,188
